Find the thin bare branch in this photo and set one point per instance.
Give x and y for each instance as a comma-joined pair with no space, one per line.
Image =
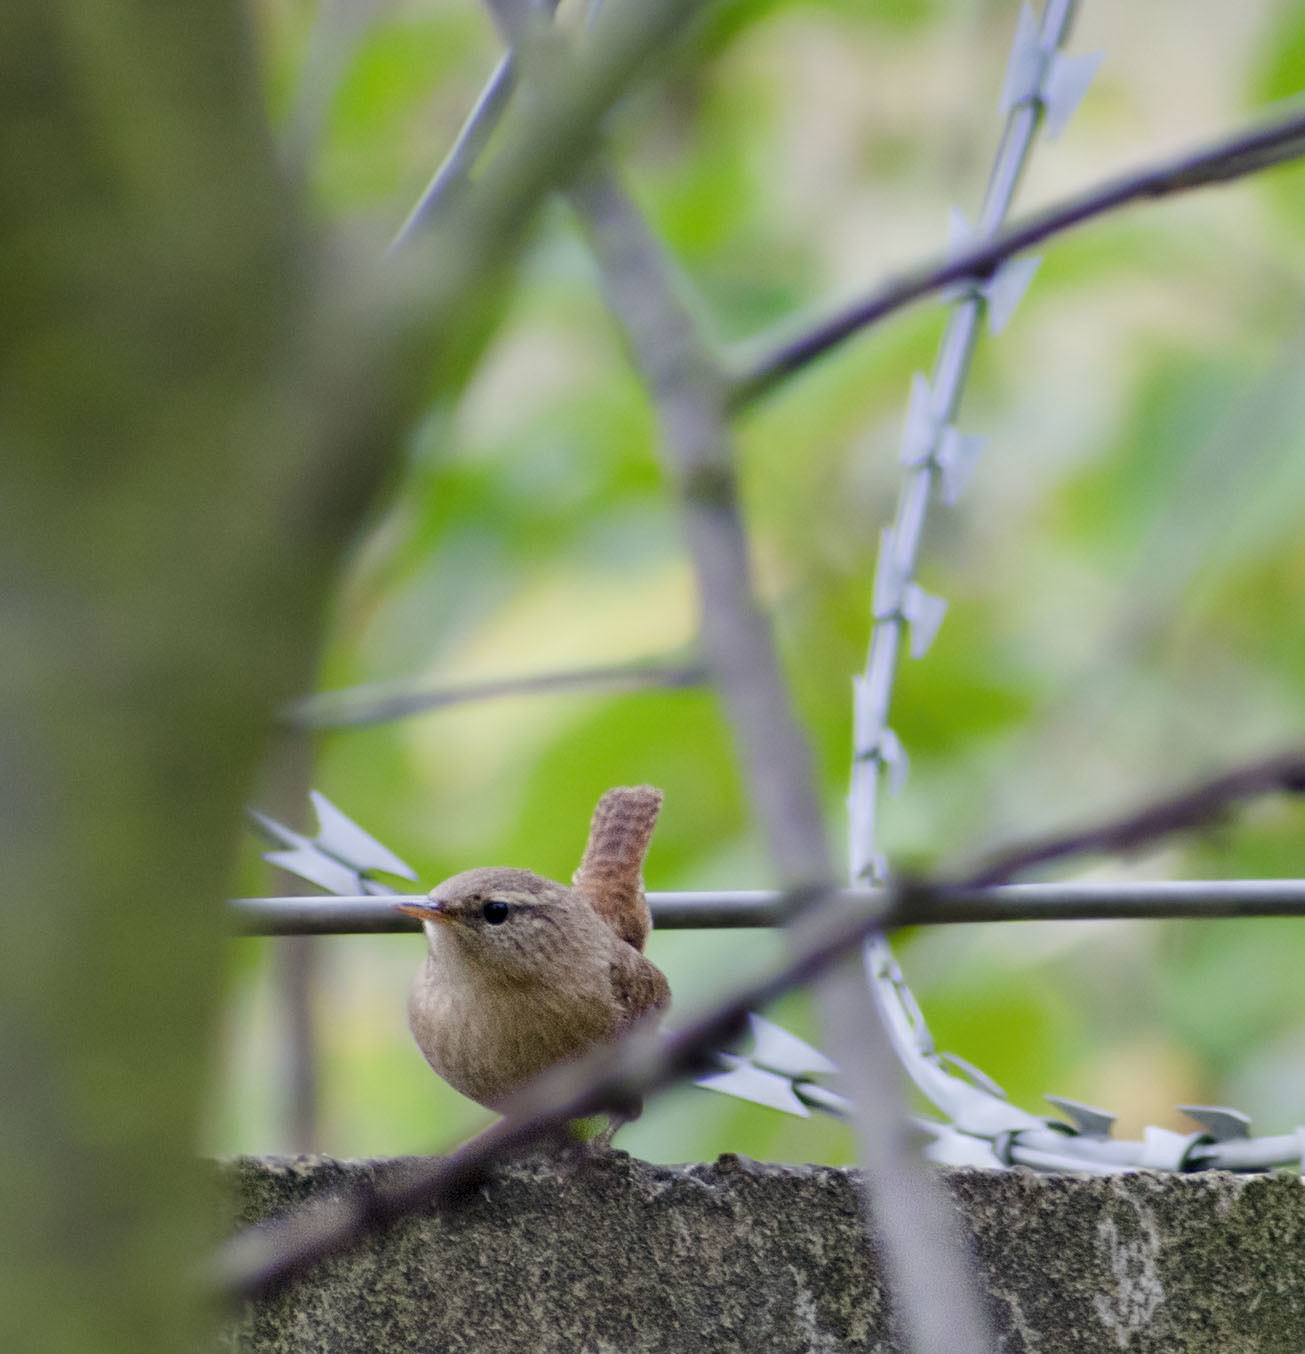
1201,807
1247,152
472,138
572,85
365,705
512,18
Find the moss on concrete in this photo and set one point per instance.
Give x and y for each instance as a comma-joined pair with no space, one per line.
617,1256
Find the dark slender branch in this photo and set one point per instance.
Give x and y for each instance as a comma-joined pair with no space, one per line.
1180,813
376,705
1247,152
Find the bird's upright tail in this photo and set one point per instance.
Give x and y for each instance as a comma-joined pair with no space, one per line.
611,871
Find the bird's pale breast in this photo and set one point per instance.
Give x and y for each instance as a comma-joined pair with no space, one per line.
487,1038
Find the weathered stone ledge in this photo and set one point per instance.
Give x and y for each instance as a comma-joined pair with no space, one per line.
610,1255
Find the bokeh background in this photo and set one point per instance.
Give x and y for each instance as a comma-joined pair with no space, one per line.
1126,576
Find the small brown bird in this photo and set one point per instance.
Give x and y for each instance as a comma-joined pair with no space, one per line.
523,972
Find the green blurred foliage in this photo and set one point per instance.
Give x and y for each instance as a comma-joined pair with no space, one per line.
1126,577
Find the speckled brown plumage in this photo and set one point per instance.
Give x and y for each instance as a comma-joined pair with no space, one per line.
611,870
522,972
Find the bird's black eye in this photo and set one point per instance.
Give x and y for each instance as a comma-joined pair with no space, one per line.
495,912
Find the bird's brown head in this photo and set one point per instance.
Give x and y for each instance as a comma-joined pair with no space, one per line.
510,922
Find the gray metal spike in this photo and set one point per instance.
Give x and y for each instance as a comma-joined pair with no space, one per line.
777,1050
1222,1123
958,454
925,613
341,837
1063,88
316,867
277,832
960,236
1165,1150
1090,1122
875,870
1006,290
1024,70
921,1035
919,431
951,1148
973,1075
744,1081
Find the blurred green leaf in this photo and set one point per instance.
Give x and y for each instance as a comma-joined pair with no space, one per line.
1279,73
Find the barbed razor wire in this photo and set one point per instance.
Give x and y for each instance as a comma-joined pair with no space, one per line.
1043,86
384,702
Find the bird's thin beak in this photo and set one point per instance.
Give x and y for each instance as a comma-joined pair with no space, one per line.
432,910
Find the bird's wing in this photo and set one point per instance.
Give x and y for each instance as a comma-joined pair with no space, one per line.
611,872
638,985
